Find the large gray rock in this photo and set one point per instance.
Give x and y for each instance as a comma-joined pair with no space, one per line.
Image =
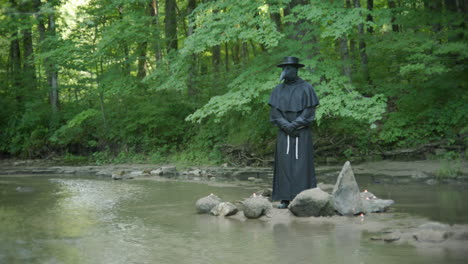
312,202
224,209
346,198
256,206
205,204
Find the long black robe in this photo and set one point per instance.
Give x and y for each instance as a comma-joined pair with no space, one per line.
294,157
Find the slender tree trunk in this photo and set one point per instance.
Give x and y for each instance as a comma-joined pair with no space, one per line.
216,59
362,47
352,42
344,52
434,6
170,22
226,56
192,4
276,16
53,71
142,65
14,63
126,50
154,12
244,51
370,7
392,6
453,7
235,53
297,33
15,68
29,69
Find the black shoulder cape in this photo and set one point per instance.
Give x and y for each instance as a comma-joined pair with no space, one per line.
293,97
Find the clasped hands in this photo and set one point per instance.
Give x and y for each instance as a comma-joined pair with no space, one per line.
291,130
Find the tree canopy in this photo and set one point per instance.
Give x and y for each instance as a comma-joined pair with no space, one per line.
185,78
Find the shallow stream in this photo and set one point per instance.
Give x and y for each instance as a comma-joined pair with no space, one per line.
96,220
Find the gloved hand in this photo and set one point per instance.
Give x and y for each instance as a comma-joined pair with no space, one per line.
288,128
294,133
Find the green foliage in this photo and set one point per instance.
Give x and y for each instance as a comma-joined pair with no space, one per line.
451,167
77,130
125,97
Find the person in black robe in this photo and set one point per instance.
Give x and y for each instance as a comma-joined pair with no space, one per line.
293,104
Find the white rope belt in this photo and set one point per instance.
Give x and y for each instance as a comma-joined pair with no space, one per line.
297,147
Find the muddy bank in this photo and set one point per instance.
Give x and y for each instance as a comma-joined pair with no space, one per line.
427,171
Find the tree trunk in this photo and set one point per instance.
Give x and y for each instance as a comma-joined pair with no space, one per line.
344,52
352,42
142,66
392,6
53,71
235,53
154,12
126,50
29,69
170,22
362,47
192,4
276,16
15,68
453,7
370,7
216,59
226,56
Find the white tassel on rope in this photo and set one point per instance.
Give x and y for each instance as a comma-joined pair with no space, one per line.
297,147
287,148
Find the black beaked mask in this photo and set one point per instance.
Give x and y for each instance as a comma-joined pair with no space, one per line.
289,73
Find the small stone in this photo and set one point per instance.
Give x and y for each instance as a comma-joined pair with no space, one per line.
432,232
136,173
388,236
205,204
419,175
251,178
431,182
196,172
104,173
169,171
156,172
224,209
256,206
375,205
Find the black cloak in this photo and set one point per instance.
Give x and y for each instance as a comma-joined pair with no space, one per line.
294,156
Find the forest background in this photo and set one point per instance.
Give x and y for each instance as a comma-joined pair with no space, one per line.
189,81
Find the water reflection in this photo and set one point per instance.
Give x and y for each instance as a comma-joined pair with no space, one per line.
101,221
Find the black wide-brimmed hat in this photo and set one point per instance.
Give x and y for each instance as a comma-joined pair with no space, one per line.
291,61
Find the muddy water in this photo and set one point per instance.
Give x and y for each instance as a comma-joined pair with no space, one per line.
90,220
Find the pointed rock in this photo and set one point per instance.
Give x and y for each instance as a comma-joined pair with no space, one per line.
346,197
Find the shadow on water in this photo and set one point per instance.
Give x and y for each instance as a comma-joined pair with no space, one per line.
89,220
